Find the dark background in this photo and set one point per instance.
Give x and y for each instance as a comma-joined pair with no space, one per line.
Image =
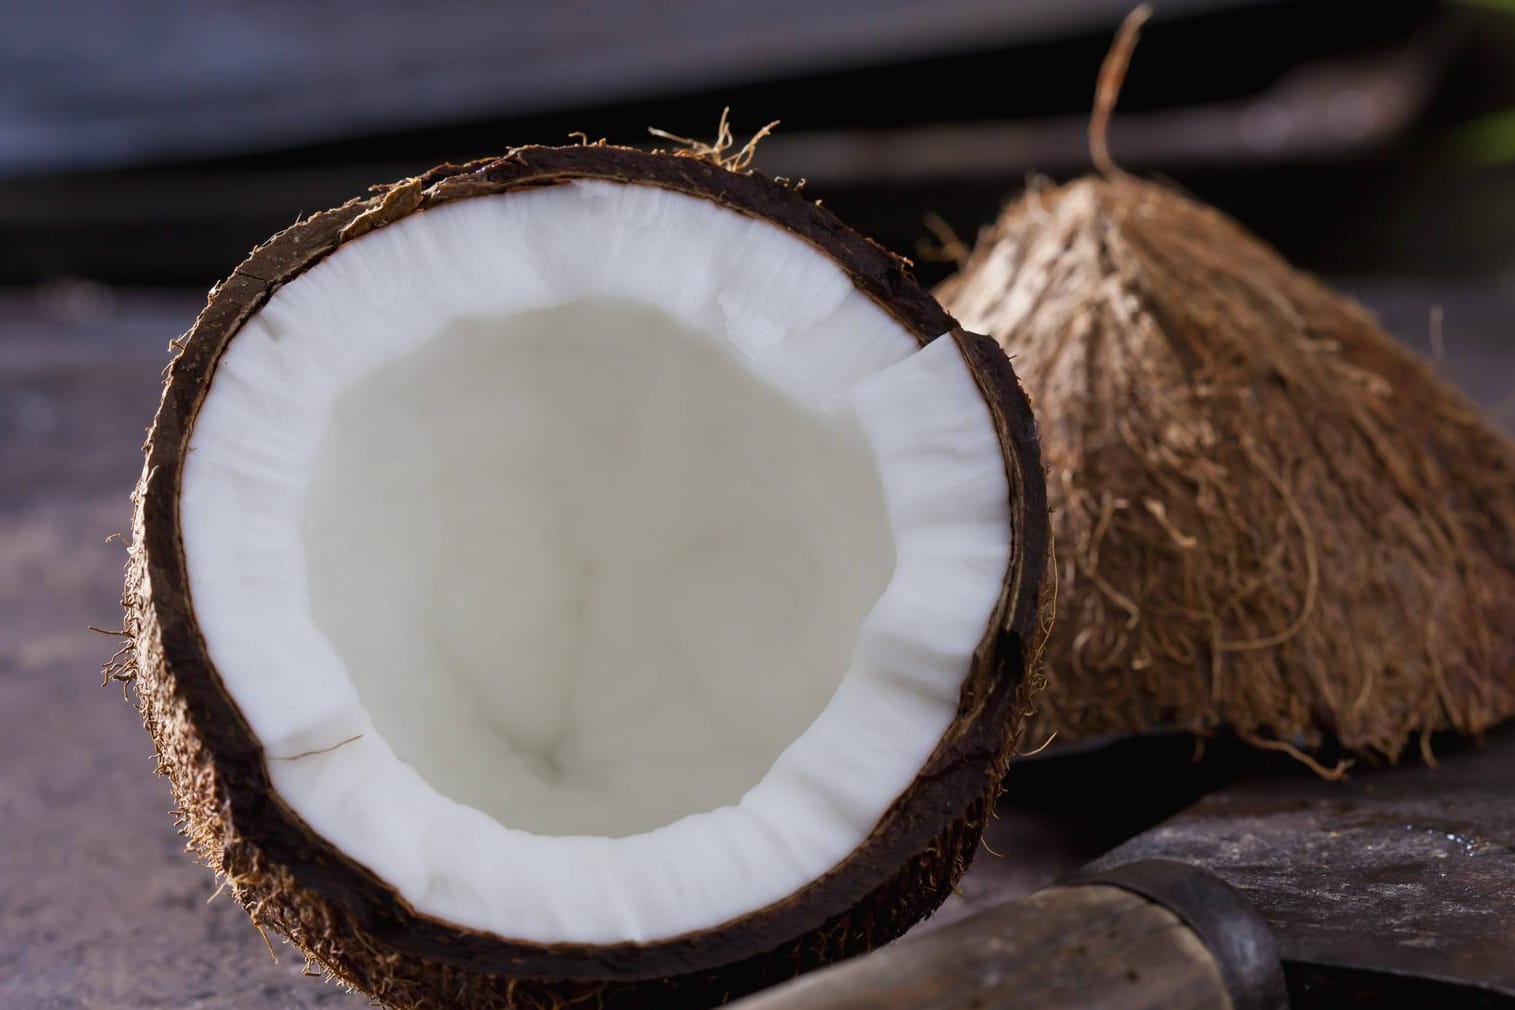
154,142
145,146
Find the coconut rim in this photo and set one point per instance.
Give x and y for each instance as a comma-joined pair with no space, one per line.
963,767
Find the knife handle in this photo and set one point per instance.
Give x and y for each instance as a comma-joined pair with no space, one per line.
1154,935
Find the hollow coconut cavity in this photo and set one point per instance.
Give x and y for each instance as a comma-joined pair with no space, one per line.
586,575
1269,515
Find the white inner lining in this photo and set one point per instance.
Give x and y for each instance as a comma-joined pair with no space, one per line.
588,573
425,295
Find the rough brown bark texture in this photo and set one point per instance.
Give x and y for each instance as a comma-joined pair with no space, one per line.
354,925
1268,515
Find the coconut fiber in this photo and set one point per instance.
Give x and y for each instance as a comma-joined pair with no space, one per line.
1268,515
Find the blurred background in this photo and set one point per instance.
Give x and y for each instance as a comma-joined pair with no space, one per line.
152,143
146,146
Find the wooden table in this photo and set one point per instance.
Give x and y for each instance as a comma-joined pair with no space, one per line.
100,907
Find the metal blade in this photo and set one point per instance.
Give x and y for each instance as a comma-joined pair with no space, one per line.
1391,889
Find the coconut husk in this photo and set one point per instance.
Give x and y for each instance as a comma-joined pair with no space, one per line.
1268,514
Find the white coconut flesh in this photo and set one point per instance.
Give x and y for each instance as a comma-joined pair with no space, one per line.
593,563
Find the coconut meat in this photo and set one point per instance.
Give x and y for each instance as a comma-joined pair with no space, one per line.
594,563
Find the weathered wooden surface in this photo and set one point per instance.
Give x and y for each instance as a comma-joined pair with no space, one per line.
99,905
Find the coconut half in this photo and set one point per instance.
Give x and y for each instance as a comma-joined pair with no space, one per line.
1270,516
585,575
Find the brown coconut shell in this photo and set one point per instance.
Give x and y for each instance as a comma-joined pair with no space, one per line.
355,926
1268,515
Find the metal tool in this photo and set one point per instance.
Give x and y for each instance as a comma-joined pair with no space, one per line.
1392,890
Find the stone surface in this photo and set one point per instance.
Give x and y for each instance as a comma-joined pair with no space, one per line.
99,904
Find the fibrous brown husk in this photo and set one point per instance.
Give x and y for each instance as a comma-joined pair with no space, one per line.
355,927
1267,514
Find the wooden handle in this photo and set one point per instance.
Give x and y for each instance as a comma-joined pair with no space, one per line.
1098,945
